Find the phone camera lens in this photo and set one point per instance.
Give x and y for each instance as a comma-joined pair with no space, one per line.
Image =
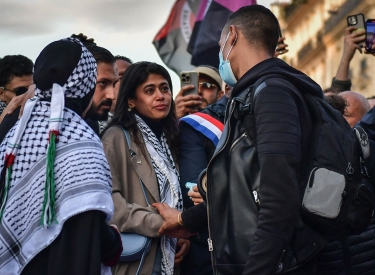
352,20
187,77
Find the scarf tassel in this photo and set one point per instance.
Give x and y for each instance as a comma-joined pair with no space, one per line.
49,202
9,160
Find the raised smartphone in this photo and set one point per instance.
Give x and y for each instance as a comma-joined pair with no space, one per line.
358,21
190,78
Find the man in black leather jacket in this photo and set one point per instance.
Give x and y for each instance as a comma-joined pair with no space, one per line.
253,192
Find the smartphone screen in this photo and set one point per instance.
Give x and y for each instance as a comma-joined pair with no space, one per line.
370,37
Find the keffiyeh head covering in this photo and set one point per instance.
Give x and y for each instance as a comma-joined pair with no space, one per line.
54,166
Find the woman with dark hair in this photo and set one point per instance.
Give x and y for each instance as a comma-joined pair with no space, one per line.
145,109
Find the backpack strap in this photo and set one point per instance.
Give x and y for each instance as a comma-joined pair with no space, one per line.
247,101
365,148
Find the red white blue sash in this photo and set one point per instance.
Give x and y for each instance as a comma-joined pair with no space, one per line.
205,124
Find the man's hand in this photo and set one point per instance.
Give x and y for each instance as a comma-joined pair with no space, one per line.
18,101
170,226
372,49
352,38
195,196
186,104
281,47
182,249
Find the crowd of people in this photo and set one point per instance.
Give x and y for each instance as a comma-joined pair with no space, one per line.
213,197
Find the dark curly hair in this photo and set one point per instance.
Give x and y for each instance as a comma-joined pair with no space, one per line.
133,77
14,65
337,102
100,54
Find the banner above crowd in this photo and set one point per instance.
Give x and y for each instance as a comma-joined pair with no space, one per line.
191,35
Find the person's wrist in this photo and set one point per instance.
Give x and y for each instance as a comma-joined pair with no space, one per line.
345,59
179,219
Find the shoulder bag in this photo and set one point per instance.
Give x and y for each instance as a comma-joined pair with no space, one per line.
135,246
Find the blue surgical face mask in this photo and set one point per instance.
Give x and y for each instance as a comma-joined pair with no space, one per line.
225,69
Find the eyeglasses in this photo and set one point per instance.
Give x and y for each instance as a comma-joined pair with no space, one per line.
207,85
17,90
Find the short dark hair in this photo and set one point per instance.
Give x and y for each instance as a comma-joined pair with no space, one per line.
337,102
259,26
333,90
14,65
124,58
100,54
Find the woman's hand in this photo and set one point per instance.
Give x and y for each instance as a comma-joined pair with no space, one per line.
195,196
183,247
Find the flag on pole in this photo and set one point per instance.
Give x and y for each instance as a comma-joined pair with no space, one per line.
204,5
206,49
172,40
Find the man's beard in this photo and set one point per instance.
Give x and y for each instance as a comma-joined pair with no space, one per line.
93,112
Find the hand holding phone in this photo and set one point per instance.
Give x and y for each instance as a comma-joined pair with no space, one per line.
358,23
190,185
190,78
195,196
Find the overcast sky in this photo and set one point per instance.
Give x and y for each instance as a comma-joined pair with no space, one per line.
124,27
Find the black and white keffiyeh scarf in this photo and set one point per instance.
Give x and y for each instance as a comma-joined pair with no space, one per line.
168,180
34,210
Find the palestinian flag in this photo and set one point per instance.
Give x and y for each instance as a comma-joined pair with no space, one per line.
172,40
206,48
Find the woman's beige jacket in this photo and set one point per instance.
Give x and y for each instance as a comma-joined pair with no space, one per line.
131,211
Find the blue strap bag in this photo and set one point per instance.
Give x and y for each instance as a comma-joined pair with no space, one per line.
135,246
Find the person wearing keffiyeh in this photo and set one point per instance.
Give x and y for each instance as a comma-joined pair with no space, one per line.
55,185
145,108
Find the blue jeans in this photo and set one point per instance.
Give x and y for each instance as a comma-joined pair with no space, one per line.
156,270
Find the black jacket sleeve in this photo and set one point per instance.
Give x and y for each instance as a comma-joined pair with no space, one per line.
195,218
193,158
83,243
342,85
278,137
8,122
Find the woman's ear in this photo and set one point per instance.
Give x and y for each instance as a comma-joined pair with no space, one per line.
131,103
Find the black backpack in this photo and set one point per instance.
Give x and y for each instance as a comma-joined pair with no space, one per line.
336,194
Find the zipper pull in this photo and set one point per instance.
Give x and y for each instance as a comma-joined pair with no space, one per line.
255,193
349,169
210,246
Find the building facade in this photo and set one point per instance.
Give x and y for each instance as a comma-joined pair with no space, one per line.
314,31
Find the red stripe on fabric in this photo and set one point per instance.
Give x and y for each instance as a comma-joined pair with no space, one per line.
233,5
214,121
174,20
168,26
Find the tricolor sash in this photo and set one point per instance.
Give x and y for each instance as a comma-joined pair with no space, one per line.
205,124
